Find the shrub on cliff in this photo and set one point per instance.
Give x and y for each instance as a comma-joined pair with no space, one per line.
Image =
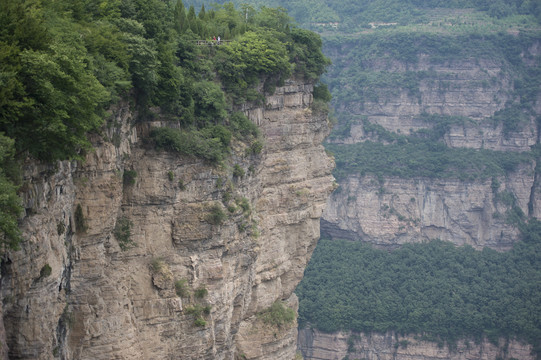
190,142
277,315
10,204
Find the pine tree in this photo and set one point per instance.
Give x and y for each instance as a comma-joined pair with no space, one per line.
202,13
180,22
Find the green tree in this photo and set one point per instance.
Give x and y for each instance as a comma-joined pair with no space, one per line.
10,203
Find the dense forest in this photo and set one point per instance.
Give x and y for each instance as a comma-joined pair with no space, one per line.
63,64
443,292
355,15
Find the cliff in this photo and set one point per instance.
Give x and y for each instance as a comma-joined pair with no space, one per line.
396,210
318,345
124,257
381,97
417,210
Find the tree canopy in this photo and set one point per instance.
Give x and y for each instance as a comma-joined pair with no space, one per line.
62,64
445,292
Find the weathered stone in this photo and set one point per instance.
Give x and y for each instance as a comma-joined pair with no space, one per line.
315,345
102,302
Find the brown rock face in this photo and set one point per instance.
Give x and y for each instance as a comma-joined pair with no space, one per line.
401,211
204,253
393,211
317,346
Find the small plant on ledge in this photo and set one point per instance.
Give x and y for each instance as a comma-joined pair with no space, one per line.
277,315
216,216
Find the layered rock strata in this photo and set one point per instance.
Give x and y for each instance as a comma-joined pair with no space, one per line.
320,346
400,211
124,257
391,211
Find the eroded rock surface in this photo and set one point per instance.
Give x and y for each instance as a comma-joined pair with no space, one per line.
185,285
316,345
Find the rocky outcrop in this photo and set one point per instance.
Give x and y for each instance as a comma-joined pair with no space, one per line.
142,254
392,211
316,345
400,211
473,88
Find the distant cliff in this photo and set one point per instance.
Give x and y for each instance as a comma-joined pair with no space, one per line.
461,102
390,346
137,253
437,138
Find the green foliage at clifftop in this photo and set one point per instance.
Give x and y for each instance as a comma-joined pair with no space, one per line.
422,155
437,289
63,63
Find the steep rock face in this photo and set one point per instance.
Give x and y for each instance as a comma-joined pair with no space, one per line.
473,88
393,211
400,211
186,285
318,346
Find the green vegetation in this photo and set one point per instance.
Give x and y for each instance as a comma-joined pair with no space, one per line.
122,233
80,221
60,228
436,289
181,288
410,157
158,265
62,64
217,215
198,311
191,142
201,292
45,271
244,204
238,171
354,15
128,177
277,315
10,204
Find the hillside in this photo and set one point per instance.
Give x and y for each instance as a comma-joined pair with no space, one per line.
351,16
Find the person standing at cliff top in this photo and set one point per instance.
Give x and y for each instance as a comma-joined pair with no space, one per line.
218,39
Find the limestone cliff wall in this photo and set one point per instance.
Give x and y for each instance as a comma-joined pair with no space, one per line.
72,292
397,211
390,211
400,211
320,346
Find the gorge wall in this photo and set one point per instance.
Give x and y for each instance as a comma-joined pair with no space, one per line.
191,286
393,210
391,346
388,211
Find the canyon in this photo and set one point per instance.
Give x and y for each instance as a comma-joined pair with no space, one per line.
464,211
389,211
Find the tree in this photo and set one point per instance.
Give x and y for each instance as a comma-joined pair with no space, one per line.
10,203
